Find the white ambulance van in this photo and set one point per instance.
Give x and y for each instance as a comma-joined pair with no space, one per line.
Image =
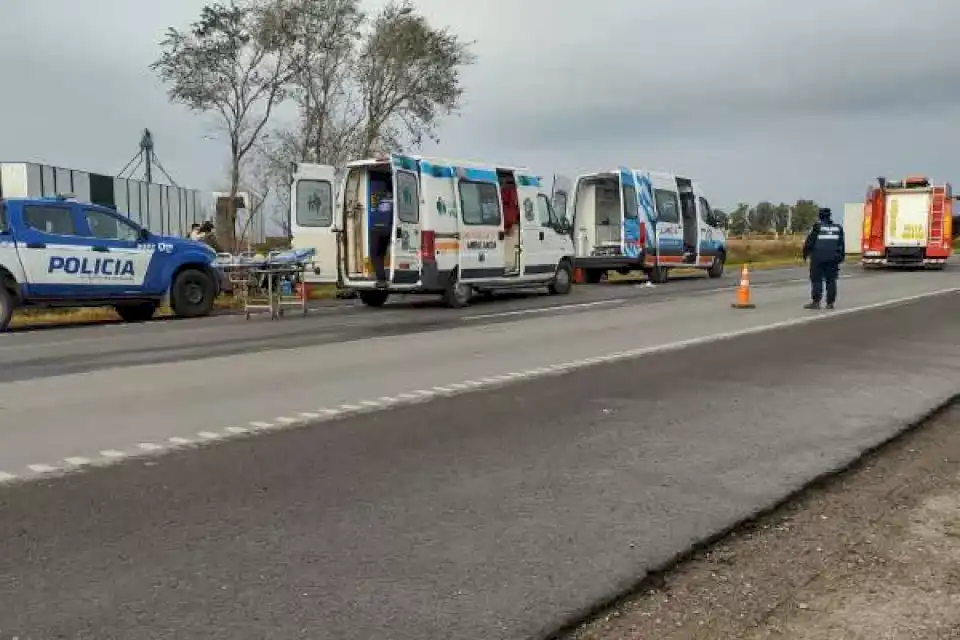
458,228
627,219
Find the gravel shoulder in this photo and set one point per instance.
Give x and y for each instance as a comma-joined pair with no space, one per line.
871,553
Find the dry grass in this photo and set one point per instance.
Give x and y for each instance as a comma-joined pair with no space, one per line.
765,250
25,318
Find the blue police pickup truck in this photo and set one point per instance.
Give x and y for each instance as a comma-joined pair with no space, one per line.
55,252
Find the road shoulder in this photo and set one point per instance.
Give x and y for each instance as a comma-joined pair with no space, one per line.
873,552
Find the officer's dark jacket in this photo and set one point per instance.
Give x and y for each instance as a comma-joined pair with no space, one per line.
825,243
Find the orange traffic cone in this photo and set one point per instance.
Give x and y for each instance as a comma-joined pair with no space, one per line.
578,276
743,291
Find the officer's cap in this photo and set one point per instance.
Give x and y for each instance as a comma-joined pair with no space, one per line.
825,212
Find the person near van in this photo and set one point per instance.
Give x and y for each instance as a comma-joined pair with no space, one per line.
207,236
381,237
826,249
194,233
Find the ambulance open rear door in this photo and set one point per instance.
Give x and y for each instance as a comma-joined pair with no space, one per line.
313,222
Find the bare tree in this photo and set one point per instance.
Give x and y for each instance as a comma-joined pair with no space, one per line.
408,76
235,61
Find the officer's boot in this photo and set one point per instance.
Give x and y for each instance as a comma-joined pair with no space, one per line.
829,305
812,305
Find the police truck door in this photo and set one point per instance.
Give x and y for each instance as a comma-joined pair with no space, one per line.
118,263
404,265
52,251
312,222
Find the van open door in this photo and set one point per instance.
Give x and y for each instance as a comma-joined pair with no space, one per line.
312,219
631,241
405,265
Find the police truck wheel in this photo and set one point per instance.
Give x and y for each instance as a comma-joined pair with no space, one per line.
374,298
136,312
6,308
192,295
716,267
562,282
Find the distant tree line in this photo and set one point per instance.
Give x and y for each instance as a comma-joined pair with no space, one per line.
766,217
358,84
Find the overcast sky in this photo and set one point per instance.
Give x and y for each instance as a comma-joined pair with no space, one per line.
757,99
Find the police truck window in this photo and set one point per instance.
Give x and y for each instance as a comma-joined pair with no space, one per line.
107,227
314,203
48,219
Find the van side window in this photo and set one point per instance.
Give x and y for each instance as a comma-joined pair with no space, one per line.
480,203
631,209
668,206
408,197
560,205
708,216
314,204
545,215
50,219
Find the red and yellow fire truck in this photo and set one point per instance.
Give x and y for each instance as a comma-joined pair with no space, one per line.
908,223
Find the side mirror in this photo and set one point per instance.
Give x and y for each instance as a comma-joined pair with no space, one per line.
143,236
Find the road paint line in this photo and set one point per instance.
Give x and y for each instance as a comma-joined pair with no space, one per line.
179,440
112,453
77,462
387,400
406,396
350,407
149,446
209,435
261,425
6,477
330,412
561,307
41,468
285,420
309,415
370,403
442,389
237,430
459,386
423,393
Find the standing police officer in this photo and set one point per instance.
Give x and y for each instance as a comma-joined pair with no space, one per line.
826,249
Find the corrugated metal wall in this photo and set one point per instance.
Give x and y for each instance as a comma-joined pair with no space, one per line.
161,208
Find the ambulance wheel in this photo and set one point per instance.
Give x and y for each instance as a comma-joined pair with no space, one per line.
374,297
457,295
716,267
192,294
563,281
136,312
6,308
658,275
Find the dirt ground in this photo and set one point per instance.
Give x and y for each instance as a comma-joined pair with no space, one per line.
872,554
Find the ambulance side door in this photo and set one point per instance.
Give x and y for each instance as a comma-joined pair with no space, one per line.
669,221
481,220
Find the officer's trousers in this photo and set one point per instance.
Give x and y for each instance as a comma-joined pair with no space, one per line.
380,239
820,273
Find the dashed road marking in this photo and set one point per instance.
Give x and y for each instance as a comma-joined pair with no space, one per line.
306,417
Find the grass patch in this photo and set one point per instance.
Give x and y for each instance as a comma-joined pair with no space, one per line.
65,316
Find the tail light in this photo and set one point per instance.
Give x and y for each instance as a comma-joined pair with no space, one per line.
428,246
642,236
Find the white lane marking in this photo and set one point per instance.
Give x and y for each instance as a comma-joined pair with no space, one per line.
309,415
560,307
498,380
149,446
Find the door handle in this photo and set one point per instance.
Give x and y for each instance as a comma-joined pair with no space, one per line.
101,249
36,245
399,234
541,235
502,235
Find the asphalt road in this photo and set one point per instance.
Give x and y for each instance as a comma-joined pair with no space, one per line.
51,352
499,513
